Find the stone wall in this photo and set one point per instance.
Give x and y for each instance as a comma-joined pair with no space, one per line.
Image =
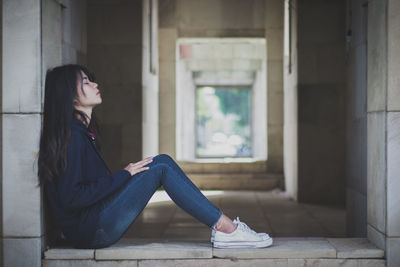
222,18
20,118
115,56
356,119
74,31
383,125
321,101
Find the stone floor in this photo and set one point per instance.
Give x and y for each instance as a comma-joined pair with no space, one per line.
164,235
270,212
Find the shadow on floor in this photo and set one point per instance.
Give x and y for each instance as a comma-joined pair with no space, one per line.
271,212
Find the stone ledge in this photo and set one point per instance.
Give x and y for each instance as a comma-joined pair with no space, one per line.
220,262
69,254
355,248
143,249
283,248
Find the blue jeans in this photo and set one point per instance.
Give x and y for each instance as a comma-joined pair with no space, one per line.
117,212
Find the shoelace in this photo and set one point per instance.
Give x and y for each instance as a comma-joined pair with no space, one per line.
244,226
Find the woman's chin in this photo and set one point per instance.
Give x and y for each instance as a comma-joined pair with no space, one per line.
98,103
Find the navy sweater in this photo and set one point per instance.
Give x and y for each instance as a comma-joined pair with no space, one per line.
75,196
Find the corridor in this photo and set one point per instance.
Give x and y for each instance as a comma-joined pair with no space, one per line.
269,212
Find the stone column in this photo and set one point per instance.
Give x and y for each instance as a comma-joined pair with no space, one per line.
384,127
290,132
274,21
167,37
21,107
150,78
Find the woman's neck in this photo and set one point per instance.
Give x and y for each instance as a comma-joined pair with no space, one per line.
88,112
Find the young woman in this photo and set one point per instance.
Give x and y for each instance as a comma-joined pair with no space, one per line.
94,206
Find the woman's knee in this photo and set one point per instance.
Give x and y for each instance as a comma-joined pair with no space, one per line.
163,158
159,168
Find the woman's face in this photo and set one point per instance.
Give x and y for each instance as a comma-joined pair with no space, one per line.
88,96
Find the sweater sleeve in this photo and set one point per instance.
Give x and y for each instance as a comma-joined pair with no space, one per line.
76,192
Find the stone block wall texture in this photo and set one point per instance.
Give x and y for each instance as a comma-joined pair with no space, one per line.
356,119
114,54
20,114
383,115
74,31
222,18
321,101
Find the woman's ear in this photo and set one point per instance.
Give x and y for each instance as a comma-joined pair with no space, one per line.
75,102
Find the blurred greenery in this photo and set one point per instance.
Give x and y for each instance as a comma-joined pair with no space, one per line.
235,101
203,111
234,106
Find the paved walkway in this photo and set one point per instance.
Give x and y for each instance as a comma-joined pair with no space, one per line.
304,235
269,212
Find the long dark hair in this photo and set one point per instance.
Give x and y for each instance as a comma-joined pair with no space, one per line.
60,93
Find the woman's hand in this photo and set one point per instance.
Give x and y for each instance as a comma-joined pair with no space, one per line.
139,166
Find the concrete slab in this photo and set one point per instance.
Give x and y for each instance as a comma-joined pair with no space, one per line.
221,262
88,263
376,170
154,249
392,250
355,248
216,262
21,215
335,262
69,253
21,252
393,28
393,171
377,56
289,248
21,56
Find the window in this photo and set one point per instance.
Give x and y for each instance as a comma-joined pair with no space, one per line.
223,127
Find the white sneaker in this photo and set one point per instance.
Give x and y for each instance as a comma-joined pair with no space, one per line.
235,221
242,237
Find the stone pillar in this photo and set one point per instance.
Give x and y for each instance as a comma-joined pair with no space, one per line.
290,142
21,120
150,78
384,127
274,21
356,119
167,61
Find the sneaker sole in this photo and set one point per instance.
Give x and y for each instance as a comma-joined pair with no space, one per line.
212,237
244,244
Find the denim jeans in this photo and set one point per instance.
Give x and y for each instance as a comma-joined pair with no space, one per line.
118,211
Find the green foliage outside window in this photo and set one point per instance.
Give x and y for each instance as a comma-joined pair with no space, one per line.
223,122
